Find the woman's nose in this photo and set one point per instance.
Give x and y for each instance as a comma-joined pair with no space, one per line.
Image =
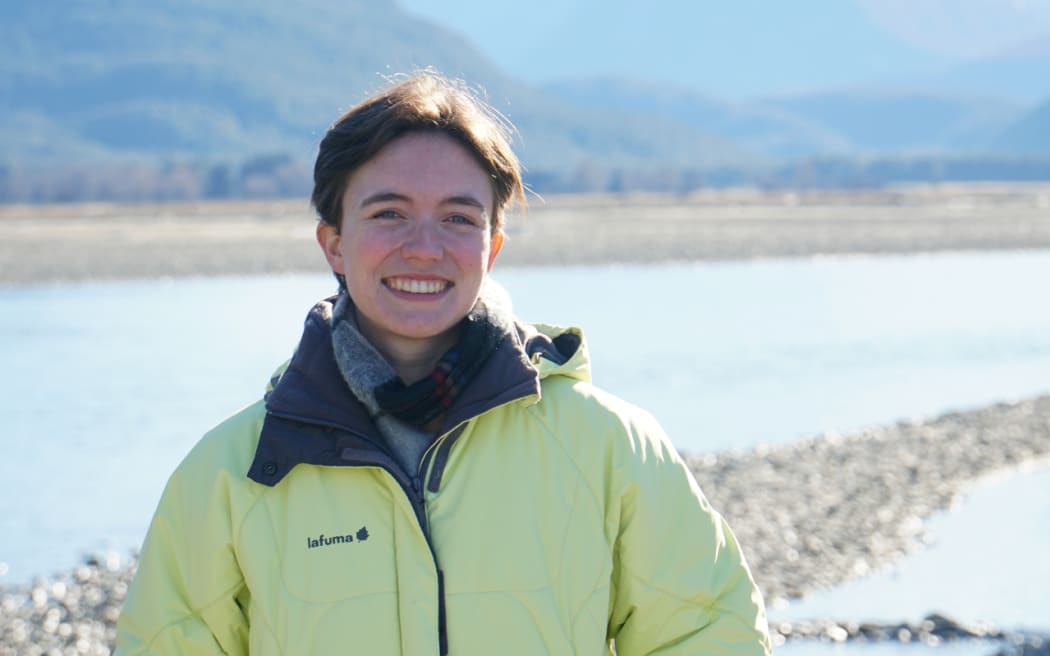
423,241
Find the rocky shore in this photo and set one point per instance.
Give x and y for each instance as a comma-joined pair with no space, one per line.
811,514
821,511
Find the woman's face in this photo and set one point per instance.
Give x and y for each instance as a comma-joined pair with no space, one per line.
415,242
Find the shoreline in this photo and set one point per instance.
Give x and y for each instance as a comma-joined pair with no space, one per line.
105,241
807,513
856,503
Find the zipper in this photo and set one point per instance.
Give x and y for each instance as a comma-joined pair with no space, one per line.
432,472
441,445
432,464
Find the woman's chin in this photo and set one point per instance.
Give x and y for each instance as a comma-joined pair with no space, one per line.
440,330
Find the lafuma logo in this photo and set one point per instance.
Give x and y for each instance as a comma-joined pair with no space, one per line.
323,541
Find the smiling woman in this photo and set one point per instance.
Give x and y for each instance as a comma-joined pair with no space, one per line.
413,246
506,505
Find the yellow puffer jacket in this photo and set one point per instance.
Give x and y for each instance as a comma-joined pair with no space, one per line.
549,517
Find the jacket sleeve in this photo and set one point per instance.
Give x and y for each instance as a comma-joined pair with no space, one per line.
680,582
188,596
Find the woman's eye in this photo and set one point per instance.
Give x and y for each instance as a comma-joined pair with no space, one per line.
459,218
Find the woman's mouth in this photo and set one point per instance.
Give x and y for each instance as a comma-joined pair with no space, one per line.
417,286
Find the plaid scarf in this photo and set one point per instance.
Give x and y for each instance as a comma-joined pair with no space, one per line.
433,395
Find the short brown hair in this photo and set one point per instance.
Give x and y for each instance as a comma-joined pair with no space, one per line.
423,102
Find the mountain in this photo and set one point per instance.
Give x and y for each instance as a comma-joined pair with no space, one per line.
223,79
206,77
851,122
1029,135
767,130
739,49
216,98
873,121
1021,73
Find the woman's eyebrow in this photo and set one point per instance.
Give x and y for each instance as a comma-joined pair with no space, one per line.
465,199
384,197
393,196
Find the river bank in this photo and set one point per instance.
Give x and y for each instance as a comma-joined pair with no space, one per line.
811,515
101,241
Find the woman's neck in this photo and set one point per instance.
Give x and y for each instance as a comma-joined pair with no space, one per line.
411,367
414,359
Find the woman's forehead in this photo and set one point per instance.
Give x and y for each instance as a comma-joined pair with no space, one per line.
421,167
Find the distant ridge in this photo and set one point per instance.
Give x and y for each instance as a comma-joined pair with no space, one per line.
224,79
211,78
1021,73
217,98
1030,134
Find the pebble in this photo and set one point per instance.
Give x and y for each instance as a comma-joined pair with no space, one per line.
74,613
811,514
931,631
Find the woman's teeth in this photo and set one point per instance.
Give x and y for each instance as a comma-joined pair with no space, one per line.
416,286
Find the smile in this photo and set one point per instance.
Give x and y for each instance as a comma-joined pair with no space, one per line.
415,286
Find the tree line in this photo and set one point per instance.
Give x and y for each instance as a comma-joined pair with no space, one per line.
283,176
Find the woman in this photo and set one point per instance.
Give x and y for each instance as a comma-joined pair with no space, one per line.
428,475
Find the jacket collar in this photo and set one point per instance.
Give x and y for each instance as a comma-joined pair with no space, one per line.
313,417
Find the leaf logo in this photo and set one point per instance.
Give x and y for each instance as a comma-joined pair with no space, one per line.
362,534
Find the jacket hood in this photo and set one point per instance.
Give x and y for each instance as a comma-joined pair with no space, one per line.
556,351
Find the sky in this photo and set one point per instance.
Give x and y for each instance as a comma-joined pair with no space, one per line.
962,28
739,48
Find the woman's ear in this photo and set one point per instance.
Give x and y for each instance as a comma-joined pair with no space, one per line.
331,243
497,243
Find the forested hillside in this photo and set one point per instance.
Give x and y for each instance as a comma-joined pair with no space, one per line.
184,99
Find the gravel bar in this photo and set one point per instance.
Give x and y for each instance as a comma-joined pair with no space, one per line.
102,241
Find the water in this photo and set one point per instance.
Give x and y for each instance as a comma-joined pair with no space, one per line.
731,355
109,384
984,564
